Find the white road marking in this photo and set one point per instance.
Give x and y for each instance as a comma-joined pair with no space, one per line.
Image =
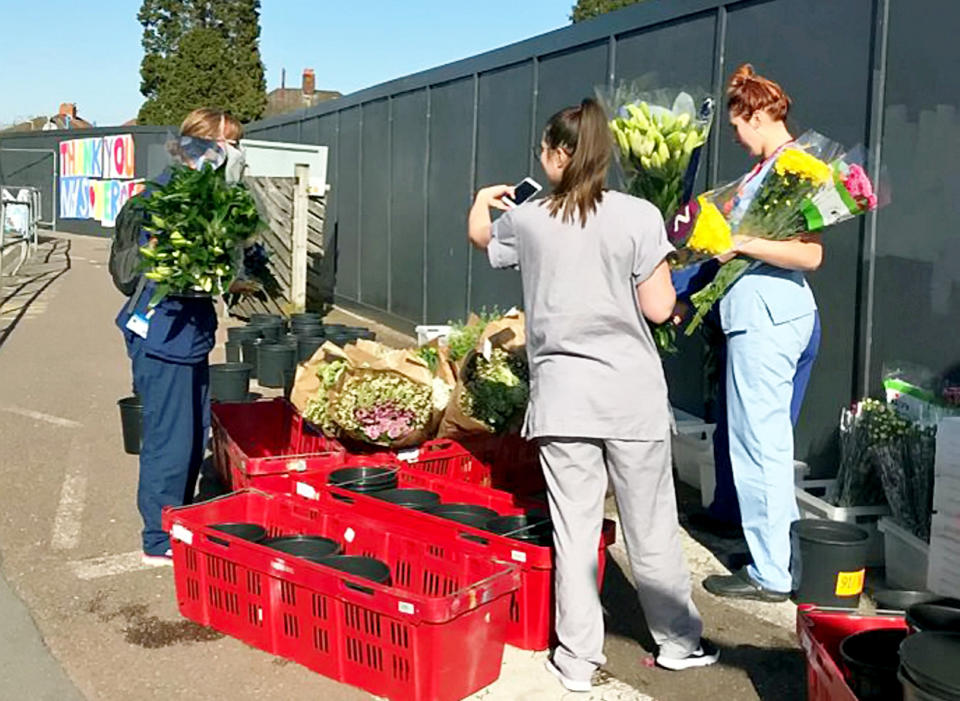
109,565
40,416
66,524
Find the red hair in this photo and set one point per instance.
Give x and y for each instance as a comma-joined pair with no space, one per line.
748,93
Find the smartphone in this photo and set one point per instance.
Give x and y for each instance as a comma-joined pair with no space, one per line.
522,191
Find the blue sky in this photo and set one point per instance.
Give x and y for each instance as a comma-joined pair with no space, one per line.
89,53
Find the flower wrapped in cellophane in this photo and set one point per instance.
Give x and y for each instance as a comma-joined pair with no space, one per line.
810,184
372,394
492,382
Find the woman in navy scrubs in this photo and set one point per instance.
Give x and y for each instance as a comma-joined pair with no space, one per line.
169,347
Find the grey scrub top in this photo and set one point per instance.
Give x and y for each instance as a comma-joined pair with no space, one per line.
594,368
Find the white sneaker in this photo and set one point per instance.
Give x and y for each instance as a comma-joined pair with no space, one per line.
704,656
568,683
164,560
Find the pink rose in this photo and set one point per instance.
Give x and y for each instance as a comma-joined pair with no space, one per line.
860,187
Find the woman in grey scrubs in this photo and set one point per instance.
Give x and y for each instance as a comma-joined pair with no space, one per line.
592,265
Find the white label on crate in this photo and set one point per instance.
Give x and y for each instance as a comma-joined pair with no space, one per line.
281,565
305,490
259,615
180,533
411,455
405,607
518,555
349,535
297,465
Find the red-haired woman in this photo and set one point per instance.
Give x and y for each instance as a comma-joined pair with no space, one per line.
768,317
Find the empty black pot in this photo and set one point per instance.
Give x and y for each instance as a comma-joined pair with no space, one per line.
272,360
830,559
309,547
901,599
411,498
247,531
363,479
264,318
941,615
239,333
872,658
249,348
536,529
928,667
468,514
306,318
270,331
340,339
230,382
308,330
131,423
233,349
366,567
307,346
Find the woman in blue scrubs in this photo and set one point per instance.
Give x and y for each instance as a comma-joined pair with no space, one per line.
169,348
768,318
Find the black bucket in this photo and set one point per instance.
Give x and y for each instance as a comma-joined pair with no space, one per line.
288,377
249,348
262,318
467,514
239,333
341,339
937,616
309,547
230,382
307,346
536,529
273,359
363,479
246,531
270,331
872,658
306,318
366,567
233,349
308,330
929,669
901,599
829,560
131,423
334,328
419,499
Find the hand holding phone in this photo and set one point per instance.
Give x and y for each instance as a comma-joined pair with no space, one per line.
522,191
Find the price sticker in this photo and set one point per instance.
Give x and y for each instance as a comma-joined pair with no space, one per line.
850,583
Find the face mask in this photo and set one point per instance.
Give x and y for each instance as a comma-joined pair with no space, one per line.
236,162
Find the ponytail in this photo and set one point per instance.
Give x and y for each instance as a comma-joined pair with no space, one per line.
583,133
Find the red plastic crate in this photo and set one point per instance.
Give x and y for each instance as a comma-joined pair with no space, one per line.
265,437
404,641
820,632
532,605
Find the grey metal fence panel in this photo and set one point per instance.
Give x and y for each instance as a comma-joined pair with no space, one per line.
348,205
408,203
449,184
504,138
375,203
326,129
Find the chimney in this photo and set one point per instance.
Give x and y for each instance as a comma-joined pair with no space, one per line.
283,78
309,82
68,109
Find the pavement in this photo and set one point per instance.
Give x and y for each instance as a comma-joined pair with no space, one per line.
82,619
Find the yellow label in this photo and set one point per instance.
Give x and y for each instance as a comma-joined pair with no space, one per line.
850,583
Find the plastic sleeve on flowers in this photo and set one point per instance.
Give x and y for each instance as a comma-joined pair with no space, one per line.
651,245
502,249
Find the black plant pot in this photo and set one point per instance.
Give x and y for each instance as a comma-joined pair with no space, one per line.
247,531
233,349
270,331
468,514
305,318
535,529
309,547
240,333
307,346
366,567
249,354
363,479
419,499
230,382
308,330
131,423
273,359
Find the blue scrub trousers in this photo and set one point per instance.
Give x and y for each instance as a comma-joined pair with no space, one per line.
176,418
724,506
761,365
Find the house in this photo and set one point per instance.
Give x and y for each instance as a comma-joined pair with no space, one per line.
66,118
285,99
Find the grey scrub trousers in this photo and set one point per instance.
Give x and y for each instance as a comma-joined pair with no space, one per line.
598,406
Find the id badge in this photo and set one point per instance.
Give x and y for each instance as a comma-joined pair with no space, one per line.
140,323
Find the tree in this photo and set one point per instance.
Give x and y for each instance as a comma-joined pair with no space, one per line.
588,9
200,53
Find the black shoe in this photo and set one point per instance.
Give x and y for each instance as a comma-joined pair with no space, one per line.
739,585
703,521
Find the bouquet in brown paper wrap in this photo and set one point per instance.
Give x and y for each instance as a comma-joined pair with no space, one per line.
372,394
492,385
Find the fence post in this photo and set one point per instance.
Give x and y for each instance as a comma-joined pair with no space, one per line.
298,249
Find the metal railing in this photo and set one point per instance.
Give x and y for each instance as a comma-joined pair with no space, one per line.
20,209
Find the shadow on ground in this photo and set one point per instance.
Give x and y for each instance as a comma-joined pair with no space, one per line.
19,293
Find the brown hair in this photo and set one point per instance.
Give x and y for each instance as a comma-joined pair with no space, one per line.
204,123
748,93
583,133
